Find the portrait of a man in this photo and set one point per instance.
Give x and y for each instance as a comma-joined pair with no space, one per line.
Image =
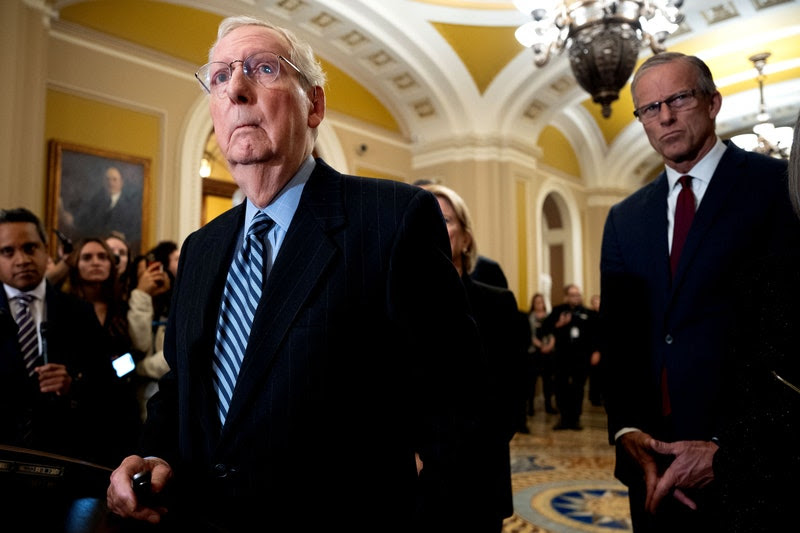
99,193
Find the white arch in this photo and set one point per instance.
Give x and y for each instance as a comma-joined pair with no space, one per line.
573,266
192,144
329,147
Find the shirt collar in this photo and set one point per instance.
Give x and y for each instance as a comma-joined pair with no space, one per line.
704,168
282,208
38,292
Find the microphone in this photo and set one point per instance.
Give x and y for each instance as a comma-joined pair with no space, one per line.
43,333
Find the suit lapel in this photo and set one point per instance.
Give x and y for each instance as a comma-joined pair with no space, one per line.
299,267
725,179
210,266
10,362
656,232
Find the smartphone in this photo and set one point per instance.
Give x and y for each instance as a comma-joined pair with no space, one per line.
66,242
124,364
149,260
140,483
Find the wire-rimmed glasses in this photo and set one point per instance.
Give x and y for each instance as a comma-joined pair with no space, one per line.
260,67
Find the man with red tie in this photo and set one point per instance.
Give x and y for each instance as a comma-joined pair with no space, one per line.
670,254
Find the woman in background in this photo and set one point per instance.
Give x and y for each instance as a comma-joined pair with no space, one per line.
122,259
94,279
541,350
147,315
505,337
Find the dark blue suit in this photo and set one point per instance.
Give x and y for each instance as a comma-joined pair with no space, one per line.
683,324
361,353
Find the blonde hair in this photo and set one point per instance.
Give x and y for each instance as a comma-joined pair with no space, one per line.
470,257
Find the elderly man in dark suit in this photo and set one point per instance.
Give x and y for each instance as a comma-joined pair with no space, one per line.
54,374
670,254
360,350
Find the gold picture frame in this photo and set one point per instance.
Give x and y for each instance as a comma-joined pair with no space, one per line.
92,192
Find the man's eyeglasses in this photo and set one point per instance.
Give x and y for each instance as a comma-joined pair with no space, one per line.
261,67
677,102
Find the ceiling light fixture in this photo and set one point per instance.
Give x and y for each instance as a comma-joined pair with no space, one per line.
766,138
603,37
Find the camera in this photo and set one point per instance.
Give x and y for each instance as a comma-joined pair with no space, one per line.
66,242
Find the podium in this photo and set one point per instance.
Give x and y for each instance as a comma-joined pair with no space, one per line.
46,492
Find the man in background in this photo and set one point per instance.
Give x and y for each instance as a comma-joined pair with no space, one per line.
576,345
55,376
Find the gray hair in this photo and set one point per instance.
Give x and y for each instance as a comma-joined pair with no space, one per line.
300,52
794,168
705,81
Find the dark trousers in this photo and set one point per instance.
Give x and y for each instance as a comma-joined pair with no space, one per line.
569,395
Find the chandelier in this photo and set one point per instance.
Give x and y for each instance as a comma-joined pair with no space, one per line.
603,37
766,138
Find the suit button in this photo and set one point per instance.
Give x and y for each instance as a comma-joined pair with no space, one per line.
668,339
220,470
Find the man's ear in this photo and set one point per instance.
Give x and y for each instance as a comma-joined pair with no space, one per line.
316,111
716,105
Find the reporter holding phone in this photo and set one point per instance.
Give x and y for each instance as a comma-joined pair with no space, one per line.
148,306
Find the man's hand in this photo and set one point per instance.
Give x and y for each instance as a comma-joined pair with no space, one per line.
563,319
637,444
691,469
54,377
120,497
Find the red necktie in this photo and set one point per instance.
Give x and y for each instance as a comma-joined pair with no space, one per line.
684,213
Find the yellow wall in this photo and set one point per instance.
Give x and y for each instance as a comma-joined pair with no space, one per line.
557,152
101,126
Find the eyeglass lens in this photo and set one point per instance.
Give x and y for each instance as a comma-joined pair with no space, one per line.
676,101
262,67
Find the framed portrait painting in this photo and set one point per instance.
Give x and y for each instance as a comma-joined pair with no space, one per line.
93,192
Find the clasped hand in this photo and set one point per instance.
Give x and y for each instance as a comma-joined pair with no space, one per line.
691,466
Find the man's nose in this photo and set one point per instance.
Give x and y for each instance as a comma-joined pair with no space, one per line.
239,86
665,113
21,257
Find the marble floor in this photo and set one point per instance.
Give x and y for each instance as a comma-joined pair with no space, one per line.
563,481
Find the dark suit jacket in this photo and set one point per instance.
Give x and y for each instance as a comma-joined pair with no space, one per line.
685,324
97,219
758,456
76,424
505,336
489,271
361,353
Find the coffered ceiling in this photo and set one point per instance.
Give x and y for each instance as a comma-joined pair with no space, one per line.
432,71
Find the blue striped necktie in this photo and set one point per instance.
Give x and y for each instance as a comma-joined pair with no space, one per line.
239,301
28,340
